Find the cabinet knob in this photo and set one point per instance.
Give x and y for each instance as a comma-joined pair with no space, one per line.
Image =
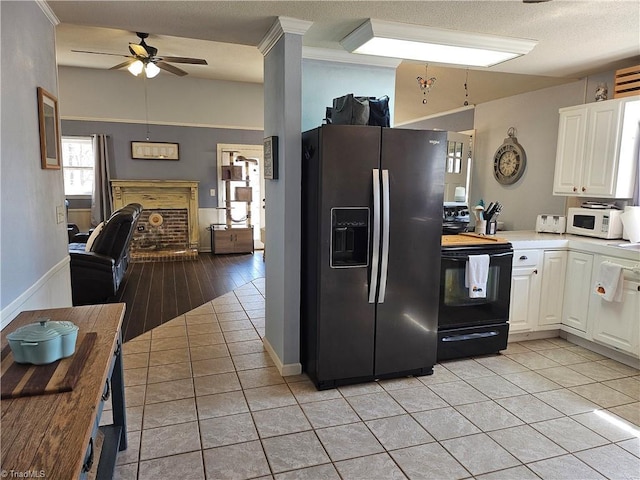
523,257
535,271
575,189
584,189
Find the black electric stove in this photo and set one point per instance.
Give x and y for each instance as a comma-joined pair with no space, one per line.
455,218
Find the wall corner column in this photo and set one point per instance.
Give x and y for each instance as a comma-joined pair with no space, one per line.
282,51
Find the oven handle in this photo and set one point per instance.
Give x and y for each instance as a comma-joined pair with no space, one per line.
465,257
470,336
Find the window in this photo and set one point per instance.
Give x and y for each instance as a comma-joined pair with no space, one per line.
78,163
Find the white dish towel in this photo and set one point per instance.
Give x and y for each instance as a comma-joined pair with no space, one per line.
476,274
609,282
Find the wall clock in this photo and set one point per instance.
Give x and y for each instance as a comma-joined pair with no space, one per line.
510,160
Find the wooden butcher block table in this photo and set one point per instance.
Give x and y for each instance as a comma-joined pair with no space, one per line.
53,435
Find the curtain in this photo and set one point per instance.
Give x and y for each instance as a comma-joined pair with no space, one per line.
101,198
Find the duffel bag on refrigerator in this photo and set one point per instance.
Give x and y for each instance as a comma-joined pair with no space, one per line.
350,110
379,115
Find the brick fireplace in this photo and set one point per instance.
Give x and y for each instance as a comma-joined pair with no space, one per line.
168,225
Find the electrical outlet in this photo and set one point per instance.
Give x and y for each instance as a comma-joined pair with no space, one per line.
212,192
59,213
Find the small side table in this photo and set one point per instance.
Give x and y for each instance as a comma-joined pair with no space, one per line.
53,435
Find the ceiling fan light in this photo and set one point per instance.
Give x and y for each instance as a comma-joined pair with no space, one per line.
136,67
151,70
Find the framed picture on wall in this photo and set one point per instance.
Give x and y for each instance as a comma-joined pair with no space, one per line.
271,158
49,119
155,151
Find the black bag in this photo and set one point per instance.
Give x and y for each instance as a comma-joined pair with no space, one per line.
379,115
350,110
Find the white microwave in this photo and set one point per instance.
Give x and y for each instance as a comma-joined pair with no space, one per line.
591,222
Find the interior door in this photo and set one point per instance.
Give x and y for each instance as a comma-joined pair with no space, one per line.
256,177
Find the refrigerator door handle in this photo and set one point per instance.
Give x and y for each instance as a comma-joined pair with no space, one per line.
373,282
385,235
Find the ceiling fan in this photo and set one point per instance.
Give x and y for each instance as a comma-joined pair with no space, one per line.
145,57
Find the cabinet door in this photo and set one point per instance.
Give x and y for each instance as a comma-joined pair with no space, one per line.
223,241
243,240
570,151
577,290
552,292
525,299
616,323
601,153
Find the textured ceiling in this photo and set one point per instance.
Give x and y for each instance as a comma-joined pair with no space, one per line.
575,38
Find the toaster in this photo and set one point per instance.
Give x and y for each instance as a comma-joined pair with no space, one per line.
547,223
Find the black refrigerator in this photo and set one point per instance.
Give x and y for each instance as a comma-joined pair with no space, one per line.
371,233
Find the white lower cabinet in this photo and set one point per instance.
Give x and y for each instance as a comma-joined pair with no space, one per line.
525,290
577,291
616,324
554,289
554,266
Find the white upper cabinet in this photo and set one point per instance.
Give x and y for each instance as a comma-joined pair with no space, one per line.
597,151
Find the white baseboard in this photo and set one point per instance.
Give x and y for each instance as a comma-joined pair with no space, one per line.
524,336
285,370
52,290
602,350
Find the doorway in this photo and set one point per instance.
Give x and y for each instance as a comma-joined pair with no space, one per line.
253,172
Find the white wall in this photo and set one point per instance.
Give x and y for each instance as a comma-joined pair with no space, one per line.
119,96
34,267
535,117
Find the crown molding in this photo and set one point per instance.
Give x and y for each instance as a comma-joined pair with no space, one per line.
281,26
333,55
46,9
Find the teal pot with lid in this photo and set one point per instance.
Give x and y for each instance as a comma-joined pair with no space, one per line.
43,342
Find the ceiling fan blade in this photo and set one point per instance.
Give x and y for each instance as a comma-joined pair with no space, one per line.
100,53
138,50
123,64
194,61
171,69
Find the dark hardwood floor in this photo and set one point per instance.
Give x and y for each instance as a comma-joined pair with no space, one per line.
156,292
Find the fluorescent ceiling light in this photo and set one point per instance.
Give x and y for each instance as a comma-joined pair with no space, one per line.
427,44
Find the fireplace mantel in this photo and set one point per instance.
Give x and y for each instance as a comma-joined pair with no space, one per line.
158,194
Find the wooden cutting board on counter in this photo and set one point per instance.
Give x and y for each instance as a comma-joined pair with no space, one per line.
470,239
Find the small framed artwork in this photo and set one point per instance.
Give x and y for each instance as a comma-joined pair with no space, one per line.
49,120
154,151
271,158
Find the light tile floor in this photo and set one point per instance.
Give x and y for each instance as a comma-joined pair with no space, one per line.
204,400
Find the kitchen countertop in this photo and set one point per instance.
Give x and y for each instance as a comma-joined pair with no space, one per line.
529,239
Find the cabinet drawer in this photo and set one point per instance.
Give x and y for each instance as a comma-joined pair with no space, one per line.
526,258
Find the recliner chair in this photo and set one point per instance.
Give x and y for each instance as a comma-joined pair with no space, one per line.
96,275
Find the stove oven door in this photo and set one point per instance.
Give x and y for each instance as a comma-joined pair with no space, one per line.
473,326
